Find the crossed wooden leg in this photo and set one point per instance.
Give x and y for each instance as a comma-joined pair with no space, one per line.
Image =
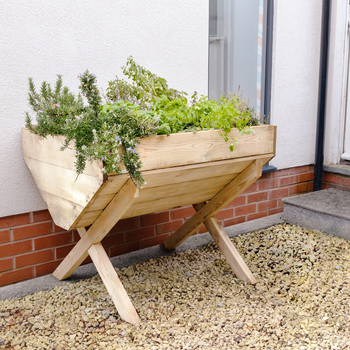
112,282
205,214
90,239
90,244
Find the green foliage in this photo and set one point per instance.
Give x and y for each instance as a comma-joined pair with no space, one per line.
144,89
143,107
172,109
90,90
97,130
178,116
52,107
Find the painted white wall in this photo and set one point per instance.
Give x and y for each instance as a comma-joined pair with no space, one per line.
43,38
296,54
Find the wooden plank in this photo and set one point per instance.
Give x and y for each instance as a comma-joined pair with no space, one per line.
48,151
160,151
178,175
195,172
104,223
166,197
162,177
100,202
190,187
227,248
145,203
114,184
87,219
219,201
63,182
152,206
63,211
96,205
112,282
184,193
275,139
163,151
167,176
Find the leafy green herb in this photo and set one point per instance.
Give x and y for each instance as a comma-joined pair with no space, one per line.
143,107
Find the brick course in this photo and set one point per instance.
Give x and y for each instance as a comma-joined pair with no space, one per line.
15,220
16,275
338,181
34,258
4,236
6,264
32,245
31,230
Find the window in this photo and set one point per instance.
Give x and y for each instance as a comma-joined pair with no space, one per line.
237,50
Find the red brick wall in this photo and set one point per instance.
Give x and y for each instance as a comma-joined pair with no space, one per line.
32,245
341,182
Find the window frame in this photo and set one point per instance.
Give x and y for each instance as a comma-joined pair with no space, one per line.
266,77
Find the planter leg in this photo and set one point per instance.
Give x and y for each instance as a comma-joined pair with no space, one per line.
240,183
112,282
228,250
99,229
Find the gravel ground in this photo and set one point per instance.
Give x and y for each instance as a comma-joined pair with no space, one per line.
192,300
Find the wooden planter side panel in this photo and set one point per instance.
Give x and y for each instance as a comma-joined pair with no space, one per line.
162,151
47,150
179,170
189,191
171,187
65,194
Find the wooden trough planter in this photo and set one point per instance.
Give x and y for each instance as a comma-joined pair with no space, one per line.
180,169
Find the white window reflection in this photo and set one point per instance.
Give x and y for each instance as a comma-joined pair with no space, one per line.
237,49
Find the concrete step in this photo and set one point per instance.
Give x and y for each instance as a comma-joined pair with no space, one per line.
326,210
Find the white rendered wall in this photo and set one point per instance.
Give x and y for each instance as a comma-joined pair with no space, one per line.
43,38
296,55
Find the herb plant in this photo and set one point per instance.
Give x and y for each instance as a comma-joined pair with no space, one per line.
97,130
140,107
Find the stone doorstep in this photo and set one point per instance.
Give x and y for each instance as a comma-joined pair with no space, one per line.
327,210
342,169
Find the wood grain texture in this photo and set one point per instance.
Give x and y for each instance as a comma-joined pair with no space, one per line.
63,182
163,151
168,196
63,211
162,200
170,161
65,194
104,223
219,201
112,282
47,150
227,248
170,188
61,185
156,199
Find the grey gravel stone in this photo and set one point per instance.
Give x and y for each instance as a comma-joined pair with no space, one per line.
300,299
